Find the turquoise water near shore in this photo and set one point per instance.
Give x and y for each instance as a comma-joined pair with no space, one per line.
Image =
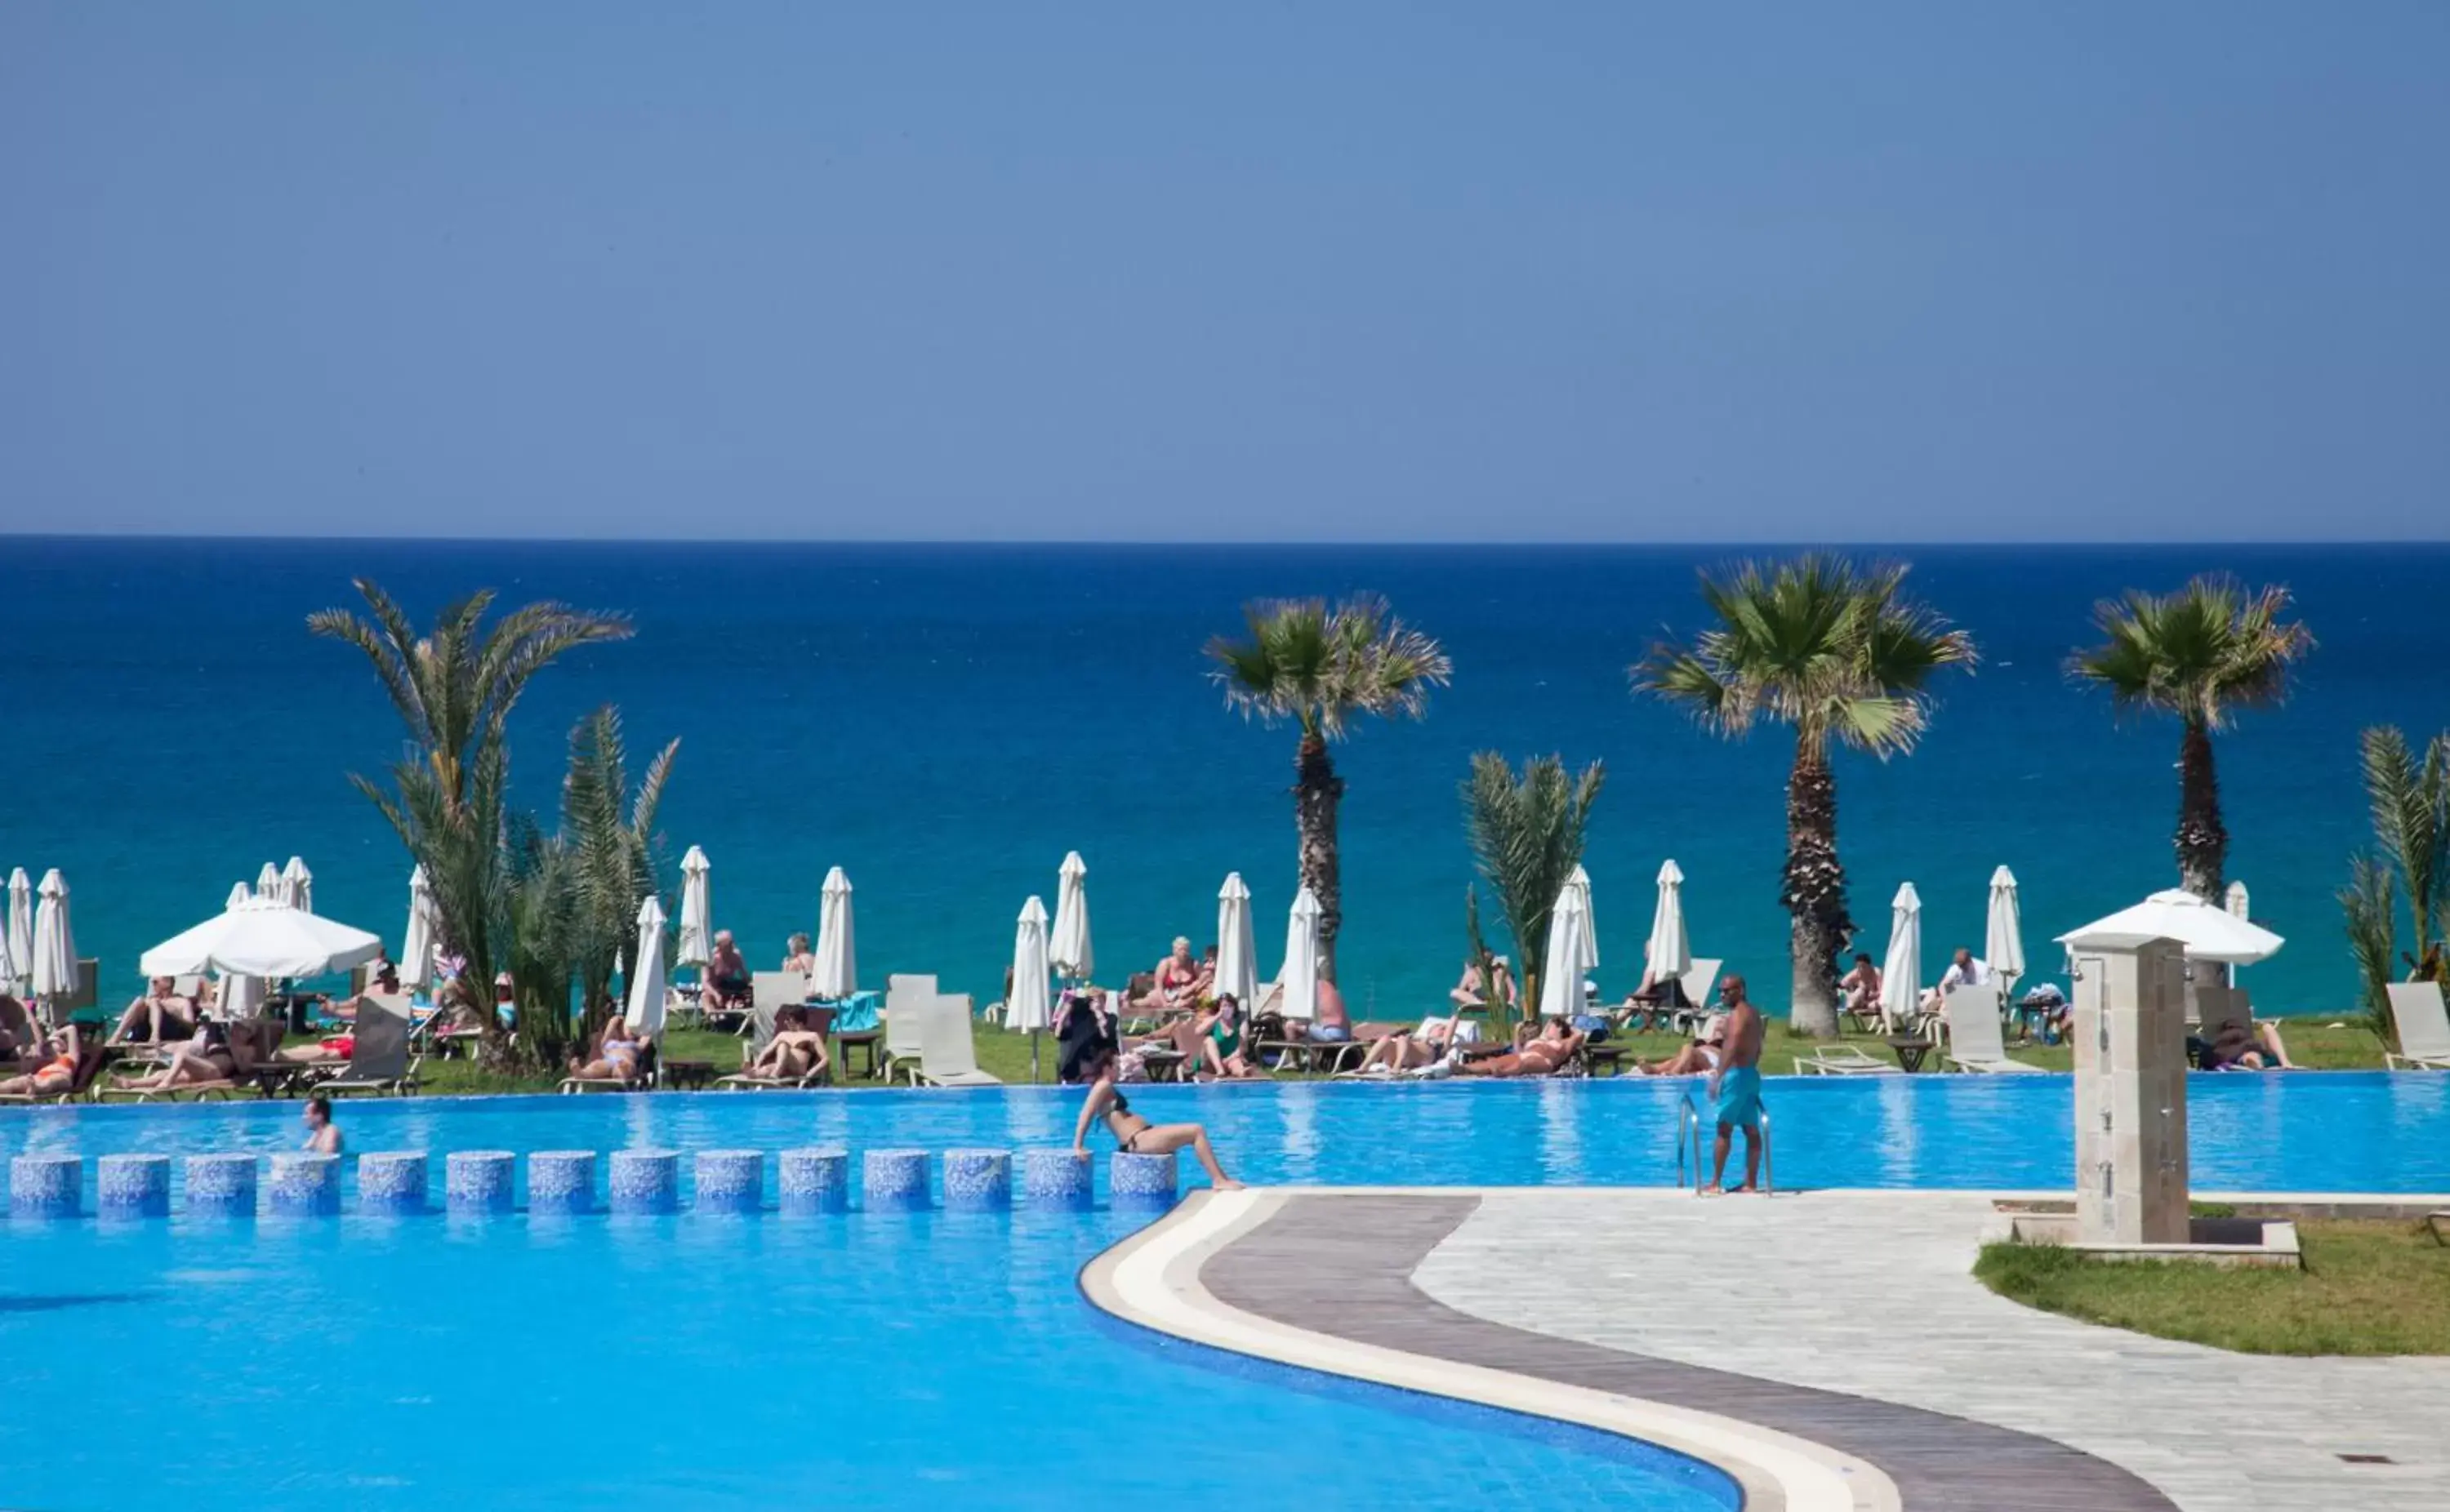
946,720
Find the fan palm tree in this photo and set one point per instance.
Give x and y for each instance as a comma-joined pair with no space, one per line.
454,690
1526,835
1837,652
2203,653
1322,668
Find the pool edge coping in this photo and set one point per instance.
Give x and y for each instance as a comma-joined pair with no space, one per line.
1152,1279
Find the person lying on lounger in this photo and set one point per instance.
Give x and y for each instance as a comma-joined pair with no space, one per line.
1469,993
1135,1134
795,1052
1699,1058
1557,1042
2238,1048
616,1054
64,1051
157,1015
1423,1046
202,1057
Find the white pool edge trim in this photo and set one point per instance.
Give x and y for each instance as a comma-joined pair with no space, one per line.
1152,1279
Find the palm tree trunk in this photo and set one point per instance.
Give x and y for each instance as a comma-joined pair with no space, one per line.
1815,892
1316,792
2201,840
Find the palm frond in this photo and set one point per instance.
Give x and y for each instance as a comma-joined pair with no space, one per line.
1527,838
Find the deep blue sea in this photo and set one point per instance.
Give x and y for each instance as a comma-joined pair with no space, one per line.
945,722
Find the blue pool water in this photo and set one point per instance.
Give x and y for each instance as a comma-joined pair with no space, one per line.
2300,1132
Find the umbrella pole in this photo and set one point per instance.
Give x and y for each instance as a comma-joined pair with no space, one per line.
1033,1057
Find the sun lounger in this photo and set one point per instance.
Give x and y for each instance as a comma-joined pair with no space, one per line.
948,1054
907,999
770,991
1699,988
1842,1060
821,1022
381,1061
2218,1007
1975,1041
2423,1024
81,1085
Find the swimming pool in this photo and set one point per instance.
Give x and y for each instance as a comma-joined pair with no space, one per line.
2299,1131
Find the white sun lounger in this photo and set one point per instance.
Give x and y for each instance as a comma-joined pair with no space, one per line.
948,1054
907,999
1844,1060
1976,1042
2424,1028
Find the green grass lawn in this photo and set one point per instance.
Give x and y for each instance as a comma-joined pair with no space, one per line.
2367,1288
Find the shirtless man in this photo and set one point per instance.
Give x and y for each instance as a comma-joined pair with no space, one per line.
1735,1087
158,1013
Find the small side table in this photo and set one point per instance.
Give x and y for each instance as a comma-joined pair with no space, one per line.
690,1075
865,1042
1911,1050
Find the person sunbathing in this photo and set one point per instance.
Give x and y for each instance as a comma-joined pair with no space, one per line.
2237,1048
798,957
1862,988
1176,985
55,1075
1135,1134
1424,1046
1220,1039
1470,993
726,978
1698,1058
159,1013
795,1053
1556,1043
202,1057
616,1054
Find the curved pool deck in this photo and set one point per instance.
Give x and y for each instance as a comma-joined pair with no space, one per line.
1860,1366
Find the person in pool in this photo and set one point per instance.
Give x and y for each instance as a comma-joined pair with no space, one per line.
1734,1087
1136,1135
322,1134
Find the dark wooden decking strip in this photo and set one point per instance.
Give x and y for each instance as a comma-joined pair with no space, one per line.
1343,1266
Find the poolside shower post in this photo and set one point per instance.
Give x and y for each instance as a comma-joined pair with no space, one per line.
2131,1094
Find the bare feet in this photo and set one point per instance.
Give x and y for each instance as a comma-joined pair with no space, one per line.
1713,1190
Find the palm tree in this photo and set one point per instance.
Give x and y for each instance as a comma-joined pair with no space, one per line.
454,690
2202,653
1321,667
1526,835
612,848
1837,652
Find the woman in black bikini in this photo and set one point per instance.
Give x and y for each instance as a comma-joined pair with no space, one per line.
1137,1135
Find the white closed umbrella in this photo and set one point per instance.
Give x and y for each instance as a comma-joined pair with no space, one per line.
697,910
1901,971
1560,977
2206,932
644,1008
1237,958
1028,1006
238,895
1578,882
1298,977
1068,946
262,937
2003,935
298,885
269,886
20,925
416,942
1668,955
2238,904
54,968
837,960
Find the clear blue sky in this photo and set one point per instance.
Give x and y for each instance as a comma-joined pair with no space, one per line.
1131,271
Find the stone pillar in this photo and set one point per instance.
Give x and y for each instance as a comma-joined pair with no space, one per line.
477,1181
1058,1178
978,1178
133,1186
816,1181
1142,1181
305,1185
561,1181
645,1180
392,1181
895,1180
221,1186
731,1181
47,1186
2130,1095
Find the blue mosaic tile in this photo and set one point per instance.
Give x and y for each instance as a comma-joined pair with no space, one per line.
477,1181
731,1181
46,1186
132,1186
645,1180
304,1185
561,1181
978,1178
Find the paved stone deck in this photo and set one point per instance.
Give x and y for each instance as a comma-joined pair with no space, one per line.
1868,1295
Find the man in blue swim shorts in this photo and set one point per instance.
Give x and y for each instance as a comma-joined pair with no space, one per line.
1735,1087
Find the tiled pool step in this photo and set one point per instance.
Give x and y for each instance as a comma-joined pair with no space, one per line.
479,1183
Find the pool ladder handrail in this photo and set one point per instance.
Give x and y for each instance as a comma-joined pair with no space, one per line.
1688,1140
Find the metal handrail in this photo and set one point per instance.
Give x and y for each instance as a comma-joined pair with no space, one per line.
1688,1140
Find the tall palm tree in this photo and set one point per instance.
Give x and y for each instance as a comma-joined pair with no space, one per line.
454,690
2203,653
611,839
1840,654
1322,668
